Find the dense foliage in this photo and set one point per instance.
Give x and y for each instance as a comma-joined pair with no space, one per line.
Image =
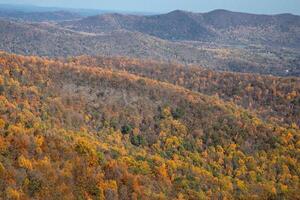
273,98
73,132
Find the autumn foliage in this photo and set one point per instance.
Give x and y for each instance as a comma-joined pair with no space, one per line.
275,99
69,131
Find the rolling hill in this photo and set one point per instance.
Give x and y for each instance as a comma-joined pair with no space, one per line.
219,25
272,98
176,25
48,39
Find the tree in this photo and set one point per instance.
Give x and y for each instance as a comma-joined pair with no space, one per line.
25,163
137,140
126,129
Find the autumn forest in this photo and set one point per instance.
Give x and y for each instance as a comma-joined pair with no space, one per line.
155,115
89,132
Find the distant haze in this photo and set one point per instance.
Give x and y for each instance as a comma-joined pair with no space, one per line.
251,6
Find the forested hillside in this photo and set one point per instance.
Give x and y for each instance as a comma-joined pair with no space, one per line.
216,26
273,98
70,131
218,40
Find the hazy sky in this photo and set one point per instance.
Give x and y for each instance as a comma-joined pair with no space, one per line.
253,6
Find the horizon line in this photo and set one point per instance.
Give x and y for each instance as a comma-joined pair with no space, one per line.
59,8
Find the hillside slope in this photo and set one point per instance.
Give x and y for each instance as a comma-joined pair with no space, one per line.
46,39
49,40
272,98
218,26
68,131
176,25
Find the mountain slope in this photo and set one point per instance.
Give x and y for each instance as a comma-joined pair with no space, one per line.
69,131
273,98
220,25
241,43
176,25
222,19
46,39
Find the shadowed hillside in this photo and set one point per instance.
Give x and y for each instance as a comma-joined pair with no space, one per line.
177,25
219,25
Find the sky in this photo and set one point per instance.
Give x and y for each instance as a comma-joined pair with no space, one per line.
251,6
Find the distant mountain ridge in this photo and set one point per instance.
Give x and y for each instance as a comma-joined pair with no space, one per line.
225,19
217,25
220,40
40,9
39,16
